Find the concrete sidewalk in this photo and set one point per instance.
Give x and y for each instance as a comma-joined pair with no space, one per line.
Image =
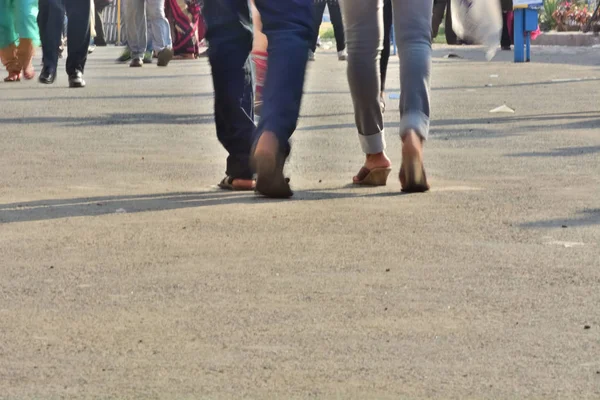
126,274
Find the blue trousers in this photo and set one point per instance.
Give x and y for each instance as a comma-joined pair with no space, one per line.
51,22
288,25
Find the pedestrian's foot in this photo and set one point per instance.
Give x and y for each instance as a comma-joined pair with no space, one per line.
164,57
29,72
48,75
268,162
126,56
147,57
91,48
230,183
342,55
382,102
76,80
311,55
13,77
375,170
506,48
136,62
412,172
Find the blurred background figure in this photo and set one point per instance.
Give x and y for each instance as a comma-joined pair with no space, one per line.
18,25
338,27
187,27
259,60
146,18
100,5
443,12
507,8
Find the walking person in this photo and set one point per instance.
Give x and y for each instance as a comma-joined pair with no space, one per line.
158,29
18,25
50,21
506,40
385,53
441,8
288,26
363,20
338,27
100,5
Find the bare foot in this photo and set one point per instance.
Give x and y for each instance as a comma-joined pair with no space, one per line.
372,162
412,173
229,183
243,184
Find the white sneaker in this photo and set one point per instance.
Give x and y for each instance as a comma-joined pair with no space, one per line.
311,55
342,55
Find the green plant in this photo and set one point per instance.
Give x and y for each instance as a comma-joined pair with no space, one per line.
547,21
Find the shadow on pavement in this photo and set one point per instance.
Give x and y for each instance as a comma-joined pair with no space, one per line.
118,119
561,152
586,218
43,210
112,97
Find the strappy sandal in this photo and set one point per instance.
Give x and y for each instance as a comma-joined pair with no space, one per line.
13,77
372,177
227,184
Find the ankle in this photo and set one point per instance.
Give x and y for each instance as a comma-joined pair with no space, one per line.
378,159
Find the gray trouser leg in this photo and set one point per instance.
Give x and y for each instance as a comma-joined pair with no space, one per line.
412,24
363,24
135,20
363,21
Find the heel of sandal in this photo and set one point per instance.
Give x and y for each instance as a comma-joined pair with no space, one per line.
413,178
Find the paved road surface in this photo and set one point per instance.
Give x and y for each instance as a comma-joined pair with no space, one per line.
126,273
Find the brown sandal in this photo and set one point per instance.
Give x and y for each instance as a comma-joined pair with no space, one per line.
372,177
13,77
228,184
412,177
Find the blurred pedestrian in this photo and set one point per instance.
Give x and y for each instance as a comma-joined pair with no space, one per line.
18,37
385,53
100,5
158,29
335,16
50,21
507,8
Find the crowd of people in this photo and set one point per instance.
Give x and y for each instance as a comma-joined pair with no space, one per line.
149,27
245,39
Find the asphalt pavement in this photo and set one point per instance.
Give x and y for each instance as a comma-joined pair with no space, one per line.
126,274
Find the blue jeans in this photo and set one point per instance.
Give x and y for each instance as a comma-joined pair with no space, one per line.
288,25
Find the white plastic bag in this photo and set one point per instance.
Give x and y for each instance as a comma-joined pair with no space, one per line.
480,21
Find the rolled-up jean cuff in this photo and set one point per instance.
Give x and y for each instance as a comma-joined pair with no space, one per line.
372,144
415,120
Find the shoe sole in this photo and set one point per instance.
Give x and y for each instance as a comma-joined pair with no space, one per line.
270,181
164,57
415,179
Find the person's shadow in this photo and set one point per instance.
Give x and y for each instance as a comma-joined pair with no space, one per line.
96,206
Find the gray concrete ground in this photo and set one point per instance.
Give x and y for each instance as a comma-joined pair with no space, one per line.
127,275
